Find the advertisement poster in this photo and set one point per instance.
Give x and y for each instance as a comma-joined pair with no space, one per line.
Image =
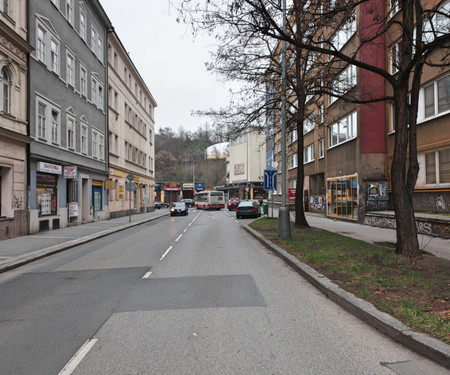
73,209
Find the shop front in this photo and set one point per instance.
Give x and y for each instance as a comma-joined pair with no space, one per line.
342,197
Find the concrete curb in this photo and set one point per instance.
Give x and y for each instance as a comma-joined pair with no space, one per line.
54,249
426,346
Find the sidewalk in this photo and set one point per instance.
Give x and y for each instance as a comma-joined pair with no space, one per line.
437,246
18,251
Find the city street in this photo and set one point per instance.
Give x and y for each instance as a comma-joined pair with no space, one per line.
183,295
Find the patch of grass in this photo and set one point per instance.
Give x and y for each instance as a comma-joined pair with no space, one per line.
417,294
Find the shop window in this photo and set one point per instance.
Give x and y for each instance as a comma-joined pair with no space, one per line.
46,189
342,197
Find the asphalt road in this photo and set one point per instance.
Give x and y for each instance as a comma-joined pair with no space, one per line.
182,295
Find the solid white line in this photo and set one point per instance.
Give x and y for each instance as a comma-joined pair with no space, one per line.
78,357
147,275
167,252
178,237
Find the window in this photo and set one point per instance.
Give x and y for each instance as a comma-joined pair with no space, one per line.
6,6
54,55
70,133
321,148
344,34
343,83
293,136
342,197
70,69
55,126
101,147
394,7
84,138
41,36
308,123
96,42
83,23
293,161
342,130
309,154
6,91
97,92
394,57
69,11
83,80
434,98
437,167
93,38
41,120
94,144
100,97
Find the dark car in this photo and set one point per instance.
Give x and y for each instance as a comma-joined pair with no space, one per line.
179,208
248,209
232,204
188,202
159,205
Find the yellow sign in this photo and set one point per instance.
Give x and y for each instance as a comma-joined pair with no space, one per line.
109,185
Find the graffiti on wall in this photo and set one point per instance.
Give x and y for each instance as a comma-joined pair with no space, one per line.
317,202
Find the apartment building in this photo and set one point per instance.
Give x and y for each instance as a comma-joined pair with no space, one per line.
131,134
348,148
14,139
68,113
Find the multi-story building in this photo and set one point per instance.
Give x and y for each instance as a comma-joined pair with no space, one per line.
14,139
246,164
131,134
348,148
68,112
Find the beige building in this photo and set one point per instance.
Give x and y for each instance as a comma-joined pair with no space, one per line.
13,119
246,165
131,134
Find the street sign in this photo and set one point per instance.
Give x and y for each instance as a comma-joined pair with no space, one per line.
130,186
130,177
270,179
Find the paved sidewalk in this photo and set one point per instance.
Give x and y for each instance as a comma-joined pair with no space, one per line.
17,251
437,246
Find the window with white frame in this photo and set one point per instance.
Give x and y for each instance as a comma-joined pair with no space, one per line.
69,11
83,80
54,55
293,161
437,24
394,7
344,33
6,91
55,126
343,130
83,23
101,147
321,114
394,57
41,44
343,83
293,136
96,42
437,167
308,123
95,144
70,124
97,91
6,6
41,120
70,68
84,138
309,153
321,148
434,98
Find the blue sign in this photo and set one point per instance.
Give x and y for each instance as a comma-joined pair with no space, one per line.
199,186
270,179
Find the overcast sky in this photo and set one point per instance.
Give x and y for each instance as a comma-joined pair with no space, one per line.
169,60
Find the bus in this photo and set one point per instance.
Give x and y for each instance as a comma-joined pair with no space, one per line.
206,200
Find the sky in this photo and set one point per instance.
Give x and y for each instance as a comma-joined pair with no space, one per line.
169,59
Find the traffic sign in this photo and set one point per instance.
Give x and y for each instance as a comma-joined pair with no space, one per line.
270,179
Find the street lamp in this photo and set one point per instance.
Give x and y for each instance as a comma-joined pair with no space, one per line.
284,224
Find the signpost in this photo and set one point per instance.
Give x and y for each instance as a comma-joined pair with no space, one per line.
130,188
270,182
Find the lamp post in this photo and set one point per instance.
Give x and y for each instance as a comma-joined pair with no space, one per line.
284,224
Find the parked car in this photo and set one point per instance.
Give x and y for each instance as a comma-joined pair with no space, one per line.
232,204
248,209
188,202
159,205
179,208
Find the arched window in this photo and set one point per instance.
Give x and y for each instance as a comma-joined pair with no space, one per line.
6,91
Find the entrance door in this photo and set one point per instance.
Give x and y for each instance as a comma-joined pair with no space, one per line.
97,198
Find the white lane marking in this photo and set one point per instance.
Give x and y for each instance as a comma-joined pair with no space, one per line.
178,237
54,237
190,223
147,275
195,218
185,230
78,357
167,252
237,221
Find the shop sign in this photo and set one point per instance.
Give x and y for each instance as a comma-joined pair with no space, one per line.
73,209
110,185
292,194
49,168
188,186
173,186
70,172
